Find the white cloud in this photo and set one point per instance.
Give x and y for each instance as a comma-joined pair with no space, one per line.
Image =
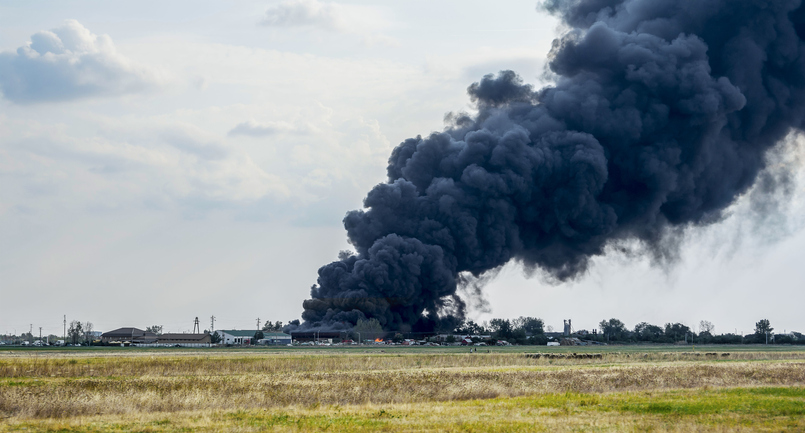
320,152
125,165
253,128
69,63
329,16
295,13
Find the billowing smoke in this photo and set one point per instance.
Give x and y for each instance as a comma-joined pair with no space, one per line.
661,116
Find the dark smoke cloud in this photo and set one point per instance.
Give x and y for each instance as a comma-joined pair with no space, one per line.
661,116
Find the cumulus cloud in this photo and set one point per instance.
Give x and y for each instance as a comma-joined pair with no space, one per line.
328,16
67,63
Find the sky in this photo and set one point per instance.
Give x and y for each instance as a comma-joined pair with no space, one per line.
161,162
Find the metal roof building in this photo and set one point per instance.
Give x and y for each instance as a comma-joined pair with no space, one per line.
236,336
131,335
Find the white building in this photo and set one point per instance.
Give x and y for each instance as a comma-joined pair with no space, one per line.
236,337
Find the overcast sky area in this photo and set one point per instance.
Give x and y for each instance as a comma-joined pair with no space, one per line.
166,161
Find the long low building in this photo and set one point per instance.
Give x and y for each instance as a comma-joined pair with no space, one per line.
235,336
185,340
319,336
179,340
128,336
276,338
246,336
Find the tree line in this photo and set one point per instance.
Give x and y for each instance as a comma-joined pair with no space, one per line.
613,330
522,330
532,331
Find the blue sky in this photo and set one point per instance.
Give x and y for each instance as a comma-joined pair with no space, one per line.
160,162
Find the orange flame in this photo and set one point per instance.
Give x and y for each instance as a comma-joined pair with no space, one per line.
378,340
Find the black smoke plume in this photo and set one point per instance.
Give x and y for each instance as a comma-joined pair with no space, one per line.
661,116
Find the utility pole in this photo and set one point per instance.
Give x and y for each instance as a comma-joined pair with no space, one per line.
212,324
40,335
64,335
31,333
258,323
196,326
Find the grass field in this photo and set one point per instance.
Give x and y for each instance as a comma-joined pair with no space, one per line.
628,388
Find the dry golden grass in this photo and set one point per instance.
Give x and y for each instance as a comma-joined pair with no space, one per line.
736,410
168,363
96,392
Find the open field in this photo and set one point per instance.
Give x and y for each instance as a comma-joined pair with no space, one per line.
420,389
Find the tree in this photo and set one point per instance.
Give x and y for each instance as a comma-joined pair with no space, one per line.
258,336
538,339
156,329
763,329
676,331
471,328
75,331
398,338
706,327
613,329
215,338
647,332
272,327
502,328
368,329
531,325
88,327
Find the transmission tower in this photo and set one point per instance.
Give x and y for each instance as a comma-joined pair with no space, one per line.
212,324
196,326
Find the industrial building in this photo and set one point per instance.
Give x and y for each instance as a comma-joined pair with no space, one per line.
275,339
235,336
185,340
129,335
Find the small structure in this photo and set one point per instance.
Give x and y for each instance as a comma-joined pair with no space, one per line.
571,341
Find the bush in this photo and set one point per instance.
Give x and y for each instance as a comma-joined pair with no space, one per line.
538,340
727,339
